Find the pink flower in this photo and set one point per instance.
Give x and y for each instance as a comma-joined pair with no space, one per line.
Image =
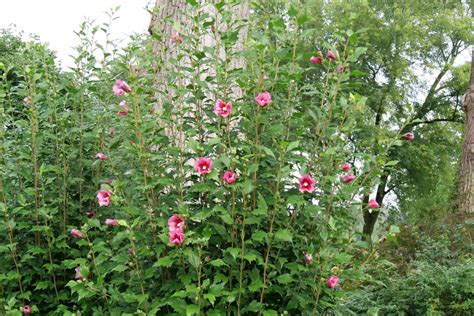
348,178
263,99
306,183
76,233
176,222
331,55
346,166
101,156
26,309
176,237
316,60
104,197
124,105
90,214
229,177
176,38
340,69
78,275
408,136
308,258
120,88
203,165
332,281
373,204
111,222
122,113
223,109
26,101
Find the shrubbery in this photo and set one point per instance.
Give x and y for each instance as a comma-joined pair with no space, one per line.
431,277
224,191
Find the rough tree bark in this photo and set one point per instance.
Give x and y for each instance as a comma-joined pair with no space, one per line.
167,14
466,172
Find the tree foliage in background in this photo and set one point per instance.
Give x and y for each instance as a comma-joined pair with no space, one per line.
411,83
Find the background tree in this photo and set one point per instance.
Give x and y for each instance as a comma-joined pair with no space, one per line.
404,42
466,172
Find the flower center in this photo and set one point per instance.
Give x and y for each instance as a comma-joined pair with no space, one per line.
224,108
305,184
204,167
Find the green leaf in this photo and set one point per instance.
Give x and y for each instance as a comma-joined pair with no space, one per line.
394,229
292,146
259,235
284,278
283,235
193,3
210,297
191,309
218,263
392,163
120,268
122,222
164,262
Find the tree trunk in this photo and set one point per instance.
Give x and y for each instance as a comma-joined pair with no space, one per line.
466,172
167,16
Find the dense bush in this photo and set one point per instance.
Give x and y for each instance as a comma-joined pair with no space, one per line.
189,185
426,270
428,288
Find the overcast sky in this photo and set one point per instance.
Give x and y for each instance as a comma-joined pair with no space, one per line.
54,21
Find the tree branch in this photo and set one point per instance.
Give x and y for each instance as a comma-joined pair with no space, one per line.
453,119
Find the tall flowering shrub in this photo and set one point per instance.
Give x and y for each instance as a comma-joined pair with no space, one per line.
229,195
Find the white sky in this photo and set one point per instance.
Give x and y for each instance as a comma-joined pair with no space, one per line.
54,21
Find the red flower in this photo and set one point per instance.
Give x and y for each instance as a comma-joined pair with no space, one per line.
408,136
229,177
203,165
306,183
373,204
346,166
223,109
348,178
332,281
331,55
263,99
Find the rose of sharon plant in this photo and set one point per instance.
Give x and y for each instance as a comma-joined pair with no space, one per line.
373,204
229,177
111,222
120,88
346,166
190,242
101,156
332,281
348,178
223,109
103,197
263,99
408,136
203,165
307,184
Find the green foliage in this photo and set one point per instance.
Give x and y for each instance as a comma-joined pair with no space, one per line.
428,289
245,242
426,271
